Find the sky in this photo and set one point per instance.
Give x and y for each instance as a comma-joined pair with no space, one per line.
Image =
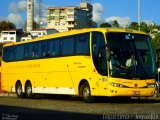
124,11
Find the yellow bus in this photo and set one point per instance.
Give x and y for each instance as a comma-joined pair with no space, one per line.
80,62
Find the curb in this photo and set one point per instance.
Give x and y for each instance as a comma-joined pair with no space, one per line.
7,94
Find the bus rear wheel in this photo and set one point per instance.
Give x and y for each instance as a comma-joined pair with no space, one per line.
86,93
28,90
19,90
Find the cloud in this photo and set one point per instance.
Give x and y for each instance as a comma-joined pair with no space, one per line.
97,13
123,21
15,15
148,22
99,19
12,7
22,6
16,19
16,10
17,7
2,18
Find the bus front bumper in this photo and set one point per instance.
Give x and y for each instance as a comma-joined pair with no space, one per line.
141,92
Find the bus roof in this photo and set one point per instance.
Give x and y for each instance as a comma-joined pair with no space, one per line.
77,31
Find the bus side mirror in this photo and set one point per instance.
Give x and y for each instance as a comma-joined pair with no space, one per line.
107,53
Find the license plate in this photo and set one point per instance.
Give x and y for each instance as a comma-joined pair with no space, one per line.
136,92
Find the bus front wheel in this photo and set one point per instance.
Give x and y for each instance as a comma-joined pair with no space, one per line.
28,90
86,93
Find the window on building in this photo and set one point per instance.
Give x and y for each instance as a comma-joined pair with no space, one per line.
12,33
39,33
62,11
4,38
70,16
11,38
70,10
29,7
61,17
52,11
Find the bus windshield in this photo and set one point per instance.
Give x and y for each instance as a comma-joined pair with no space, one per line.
131,56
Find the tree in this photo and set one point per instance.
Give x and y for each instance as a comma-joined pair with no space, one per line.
133,25
6,25
115,24
156,46
156,41
144,27
105,25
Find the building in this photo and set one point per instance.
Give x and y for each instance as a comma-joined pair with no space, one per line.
71,17
41,32
11,35
26,38
38,33
30,15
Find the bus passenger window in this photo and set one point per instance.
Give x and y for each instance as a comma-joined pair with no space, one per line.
44,49
26,52
6,54
12,53
68,46
56,48
19,52
35,51
82,44
51,48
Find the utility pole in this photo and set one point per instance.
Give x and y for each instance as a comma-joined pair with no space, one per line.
40,12
139,20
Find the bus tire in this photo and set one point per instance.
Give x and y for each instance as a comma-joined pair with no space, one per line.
86,93
19,91
28,90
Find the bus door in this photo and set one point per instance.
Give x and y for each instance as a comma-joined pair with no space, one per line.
99,60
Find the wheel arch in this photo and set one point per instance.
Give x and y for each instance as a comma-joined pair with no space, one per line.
80,84
18,81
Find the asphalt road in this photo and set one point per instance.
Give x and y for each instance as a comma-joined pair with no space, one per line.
71,108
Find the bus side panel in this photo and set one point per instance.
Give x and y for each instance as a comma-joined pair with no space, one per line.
82,68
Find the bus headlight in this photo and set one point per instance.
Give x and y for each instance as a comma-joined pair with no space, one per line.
151,85
116,84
